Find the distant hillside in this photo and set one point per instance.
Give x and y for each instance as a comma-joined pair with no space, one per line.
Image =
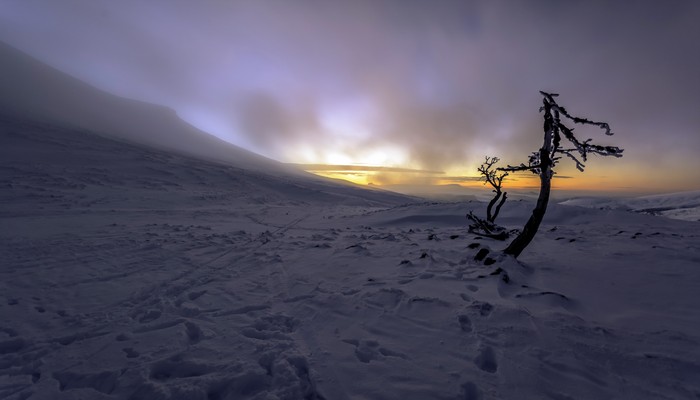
51,122
46,168
31,88
683,205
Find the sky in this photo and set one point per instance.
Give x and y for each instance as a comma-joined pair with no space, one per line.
398,92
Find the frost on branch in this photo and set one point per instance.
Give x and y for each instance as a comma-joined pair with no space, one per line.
580,150
542,162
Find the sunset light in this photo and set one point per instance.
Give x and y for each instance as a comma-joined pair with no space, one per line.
463,82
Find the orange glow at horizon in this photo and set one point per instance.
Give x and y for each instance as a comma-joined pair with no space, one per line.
617,180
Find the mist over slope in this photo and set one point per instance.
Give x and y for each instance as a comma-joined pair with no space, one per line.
43,166
40,92
49,117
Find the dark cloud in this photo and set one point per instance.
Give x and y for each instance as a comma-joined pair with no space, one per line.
445,81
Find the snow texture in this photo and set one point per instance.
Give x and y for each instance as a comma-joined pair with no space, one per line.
133,273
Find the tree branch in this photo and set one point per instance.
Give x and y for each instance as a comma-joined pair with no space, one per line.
577,120
521,167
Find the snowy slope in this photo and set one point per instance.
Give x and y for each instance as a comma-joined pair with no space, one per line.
45,167
683,205
31,88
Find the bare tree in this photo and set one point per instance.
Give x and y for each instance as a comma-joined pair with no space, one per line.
490,175
542,163
488,227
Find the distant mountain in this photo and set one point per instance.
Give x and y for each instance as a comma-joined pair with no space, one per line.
682,205
31,88
44,112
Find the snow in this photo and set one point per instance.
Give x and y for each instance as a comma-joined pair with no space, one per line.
131,272
682,205
134,273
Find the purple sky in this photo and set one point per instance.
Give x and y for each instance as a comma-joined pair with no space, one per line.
433,85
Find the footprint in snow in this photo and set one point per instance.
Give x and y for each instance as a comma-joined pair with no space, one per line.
465,323
103,382
193,332
175,367
482,307
276,326
130,352
285,370
486,360
471,391
371,350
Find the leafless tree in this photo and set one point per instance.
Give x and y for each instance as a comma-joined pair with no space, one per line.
491,176
542,162
488,227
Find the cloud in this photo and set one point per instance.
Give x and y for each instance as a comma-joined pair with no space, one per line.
271,124
444,83
362,168
389,178
462,179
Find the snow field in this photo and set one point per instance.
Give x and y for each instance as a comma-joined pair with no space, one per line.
133,273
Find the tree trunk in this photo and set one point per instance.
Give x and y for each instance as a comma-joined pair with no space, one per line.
543,162
530,229
546,163
489,215
498,208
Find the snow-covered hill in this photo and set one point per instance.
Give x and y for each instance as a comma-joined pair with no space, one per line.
45,168
53,125
683,205
32,89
